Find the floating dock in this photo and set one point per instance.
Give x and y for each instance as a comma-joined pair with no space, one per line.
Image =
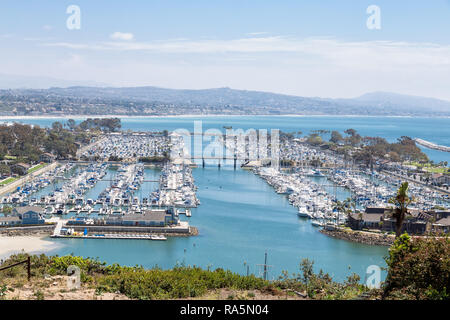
113,236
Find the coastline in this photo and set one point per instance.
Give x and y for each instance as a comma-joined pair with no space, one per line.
81,116
35,244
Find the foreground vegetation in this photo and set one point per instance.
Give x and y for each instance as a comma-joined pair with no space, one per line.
417,269
179,282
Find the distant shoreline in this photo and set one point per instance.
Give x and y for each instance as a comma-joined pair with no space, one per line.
205,116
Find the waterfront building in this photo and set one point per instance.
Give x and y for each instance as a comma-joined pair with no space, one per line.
442,223
155,218
47,157
30,214
20,168
150,218
371,218
440,179
415,222
10,221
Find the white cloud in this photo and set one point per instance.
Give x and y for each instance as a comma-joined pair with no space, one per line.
326,51
122,36
324,47
256,33
309,67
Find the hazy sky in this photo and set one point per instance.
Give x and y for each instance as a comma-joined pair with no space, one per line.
308,48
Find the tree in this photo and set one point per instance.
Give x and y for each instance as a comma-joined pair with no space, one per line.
4,169
320,132
107,124
347,206
401,202
57,126
339,207
418,268
7,210
306,266
71,124
314,139
394,156
3,151
350,132
365,155
354,139
336,137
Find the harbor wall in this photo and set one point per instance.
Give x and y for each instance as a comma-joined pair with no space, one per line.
431,145
28,230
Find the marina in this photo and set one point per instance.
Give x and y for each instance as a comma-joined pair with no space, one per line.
256,208
127,146
230,151
240,215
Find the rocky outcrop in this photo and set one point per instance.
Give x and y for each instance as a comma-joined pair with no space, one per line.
361,237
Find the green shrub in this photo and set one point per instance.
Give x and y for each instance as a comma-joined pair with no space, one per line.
418,268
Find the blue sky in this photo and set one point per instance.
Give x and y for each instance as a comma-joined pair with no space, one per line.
309,48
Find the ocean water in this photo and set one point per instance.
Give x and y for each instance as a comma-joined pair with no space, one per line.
241,217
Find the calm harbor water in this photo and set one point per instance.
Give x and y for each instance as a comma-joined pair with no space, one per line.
240,216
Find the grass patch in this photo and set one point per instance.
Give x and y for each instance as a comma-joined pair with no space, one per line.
35,168
7,181
428,167
436,169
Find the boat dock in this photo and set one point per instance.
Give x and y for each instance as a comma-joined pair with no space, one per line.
114,236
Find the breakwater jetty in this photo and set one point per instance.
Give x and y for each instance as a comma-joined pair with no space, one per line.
431,145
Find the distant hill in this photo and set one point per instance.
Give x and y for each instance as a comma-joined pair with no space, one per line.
389,99
8,81
161,101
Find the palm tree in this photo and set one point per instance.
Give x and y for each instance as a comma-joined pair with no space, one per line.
347,206
401,202
338,206
350,205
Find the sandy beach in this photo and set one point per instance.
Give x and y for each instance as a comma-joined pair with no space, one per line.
29,244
